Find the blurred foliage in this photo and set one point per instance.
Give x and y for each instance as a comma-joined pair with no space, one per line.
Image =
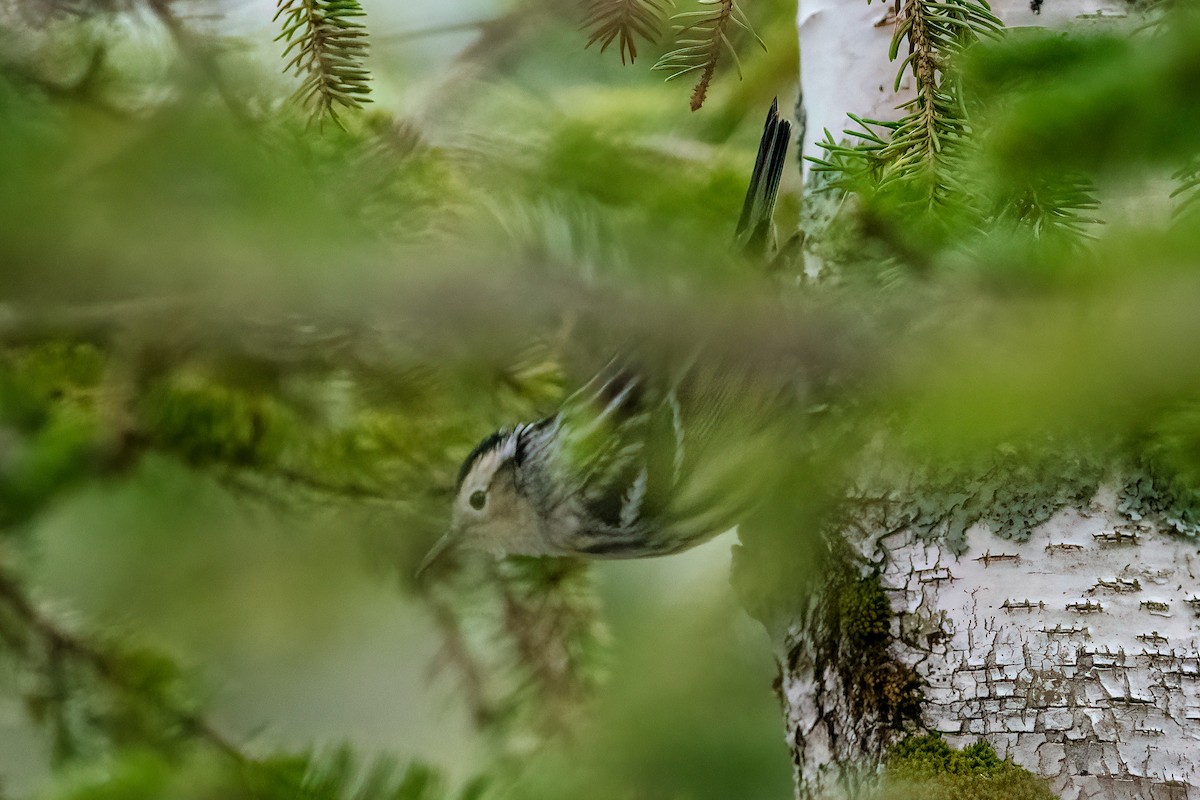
623,21
703,37
48,397
148,775
927,767
204,292
1108,117
209,303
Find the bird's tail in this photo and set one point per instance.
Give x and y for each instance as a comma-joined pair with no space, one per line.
753,234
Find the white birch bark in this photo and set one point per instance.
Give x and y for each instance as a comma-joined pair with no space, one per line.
844,63
1076,653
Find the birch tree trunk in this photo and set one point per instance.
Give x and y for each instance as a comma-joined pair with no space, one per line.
1076,653
844,66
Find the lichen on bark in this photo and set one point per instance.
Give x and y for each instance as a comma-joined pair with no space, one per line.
1011,490
1047,606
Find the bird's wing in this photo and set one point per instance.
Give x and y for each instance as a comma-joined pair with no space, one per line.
619,448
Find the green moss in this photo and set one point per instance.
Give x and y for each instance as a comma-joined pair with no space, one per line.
49,432
877,686
206,422
926,767
864,613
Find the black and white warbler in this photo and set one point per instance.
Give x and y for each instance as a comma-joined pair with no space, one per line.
628,467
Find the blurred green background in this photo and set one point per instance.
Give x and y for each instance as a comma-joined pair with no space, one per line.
243,352
295,639
249,558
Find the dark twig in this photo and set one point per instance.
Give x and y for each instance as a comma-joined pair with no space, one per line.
69,646
456,651
81,90
190,46
438,30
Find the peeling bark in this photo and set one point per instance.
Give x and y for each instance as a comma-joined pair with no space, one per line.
844,692
1075,653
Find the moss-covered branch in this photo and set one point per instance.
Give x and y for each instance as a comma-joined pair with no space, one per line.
146,708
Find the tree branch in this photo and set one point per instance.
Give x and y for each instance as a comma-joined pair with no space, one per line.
67,645
200,56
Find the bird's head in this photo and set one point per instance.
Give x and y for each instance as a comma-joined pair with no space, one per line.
490,513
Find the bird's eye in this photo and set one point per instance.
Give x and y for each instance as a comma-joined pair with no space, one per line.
478,500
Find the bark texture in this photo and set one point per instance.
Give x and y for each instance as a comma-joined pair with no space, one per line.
1072,650
1075,653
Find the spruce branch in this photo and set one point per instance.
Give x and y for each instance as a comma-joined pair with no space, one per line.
702,37
924,147
328,47
1054,204
923,142
63,648
853,167
527,640
456,653
551,621
623,21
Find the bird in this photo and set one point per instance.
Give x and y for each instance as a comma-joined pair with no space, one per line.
635,463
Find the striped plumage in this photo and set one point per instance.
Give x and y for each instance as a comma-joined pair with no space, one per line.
601,473
614,474
631,465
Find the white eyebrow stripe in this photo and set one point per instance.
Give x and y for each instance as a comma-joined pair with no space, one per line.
508,447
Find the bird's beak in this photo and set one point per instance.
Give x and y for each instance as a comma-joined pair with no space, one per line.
447,542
